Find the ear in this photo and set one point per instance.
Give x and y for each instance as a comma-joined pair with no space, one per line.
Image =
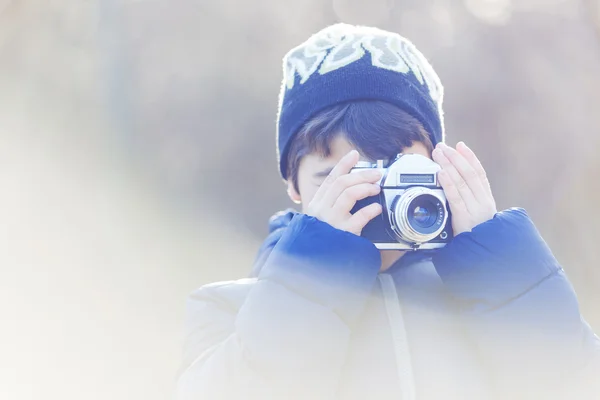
293,193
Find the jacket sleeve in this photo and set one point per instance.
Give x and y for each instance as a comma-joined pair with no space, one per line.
521,311
316,279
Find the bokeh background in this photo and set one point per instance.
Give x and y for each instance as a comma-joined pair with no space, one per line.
137,159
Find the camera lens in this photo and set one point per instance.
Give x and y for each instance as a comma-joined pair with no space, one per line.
419,215
424,212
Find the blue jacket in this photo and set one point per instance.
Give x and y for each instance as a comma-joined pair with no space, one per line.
490,316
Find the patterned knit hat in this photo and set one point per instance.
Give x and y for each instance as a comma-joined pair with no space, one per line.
342,63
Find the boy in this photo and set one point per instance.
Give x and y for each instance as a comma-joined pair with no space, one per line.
329,316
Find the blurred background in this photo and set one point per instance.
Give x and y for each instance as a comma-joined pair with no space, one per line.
137,159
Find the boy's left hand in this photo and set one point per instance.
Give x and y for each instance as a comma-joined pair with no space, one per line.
466,186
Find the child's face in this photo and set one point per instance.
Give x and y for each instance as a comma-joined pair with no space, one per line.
314,168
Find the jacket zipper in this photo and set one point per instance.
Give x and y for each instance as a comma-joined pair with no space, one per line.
399,337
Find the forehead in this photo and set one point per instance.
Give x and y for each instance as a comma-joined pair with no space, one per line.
338,147
316,161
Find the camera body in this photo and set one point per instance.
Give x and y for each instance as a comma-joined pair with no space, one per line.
415,212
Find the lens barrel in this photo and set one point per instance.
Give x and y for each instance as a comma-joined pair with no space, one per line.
419,215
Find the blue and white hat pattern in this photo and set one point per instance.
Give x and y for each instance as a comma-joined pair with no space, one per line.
342,63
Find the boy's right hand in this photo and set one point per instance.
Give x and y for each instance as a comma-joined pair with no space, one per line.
339,193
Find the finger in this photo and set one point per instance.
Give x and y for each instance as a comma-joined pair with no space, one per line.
475,163
459,184
344,182
455,199
351,195
357,222
343,166
467,172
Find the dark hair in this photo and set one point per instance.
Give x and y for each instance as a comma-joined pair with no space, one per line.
377,129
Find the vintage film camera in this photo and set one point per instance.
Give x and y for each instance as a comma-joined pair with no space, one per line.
415,212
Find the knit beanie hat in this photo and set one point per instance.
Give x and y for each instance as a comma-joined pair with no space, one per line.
344,63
